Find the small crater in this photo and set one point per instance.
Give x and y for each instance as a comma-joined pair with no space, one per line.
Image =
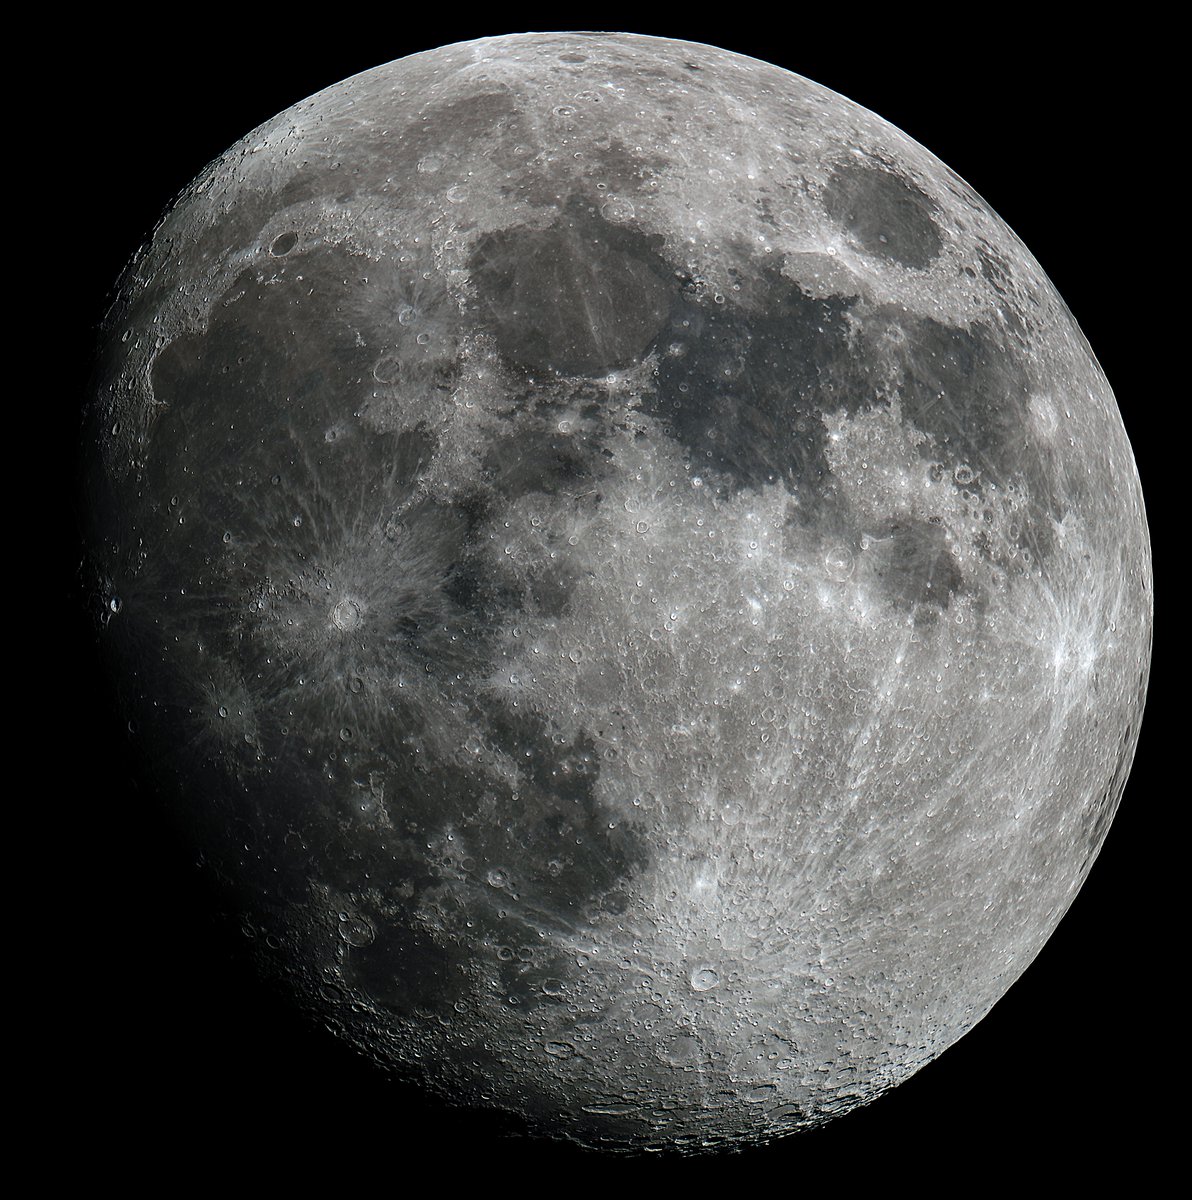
356,931
283,245
704,979
838,563
347,614
387,368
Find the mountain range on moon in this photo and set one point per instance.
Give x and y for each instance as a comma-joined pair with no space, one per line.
675,629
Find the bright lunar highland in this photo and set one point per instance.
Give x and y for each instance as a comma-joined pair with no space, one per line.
629,571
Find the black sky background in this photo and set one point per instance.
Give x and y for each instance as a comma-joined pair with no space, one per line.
182,1061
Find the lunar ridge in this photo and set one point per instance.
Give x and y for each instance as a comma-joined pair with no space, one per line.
630,572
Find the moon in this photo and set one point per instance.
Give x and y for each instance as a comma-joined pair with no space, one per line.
629,572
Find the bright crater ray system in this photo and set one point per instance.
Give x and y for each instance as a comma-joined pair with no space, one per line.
632,573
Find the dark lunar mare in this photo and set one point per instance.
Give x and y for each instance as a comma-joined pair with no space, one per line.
581,297
281,516
744,379
888,215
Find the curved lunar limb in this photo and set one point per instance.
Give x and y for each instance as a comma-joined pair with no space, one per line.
630,571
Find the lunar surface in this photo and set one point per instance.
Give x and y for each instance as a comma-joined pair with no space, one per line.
630,573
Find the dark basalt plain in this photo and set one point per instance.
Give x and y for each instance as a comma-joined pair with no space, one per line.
583,613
